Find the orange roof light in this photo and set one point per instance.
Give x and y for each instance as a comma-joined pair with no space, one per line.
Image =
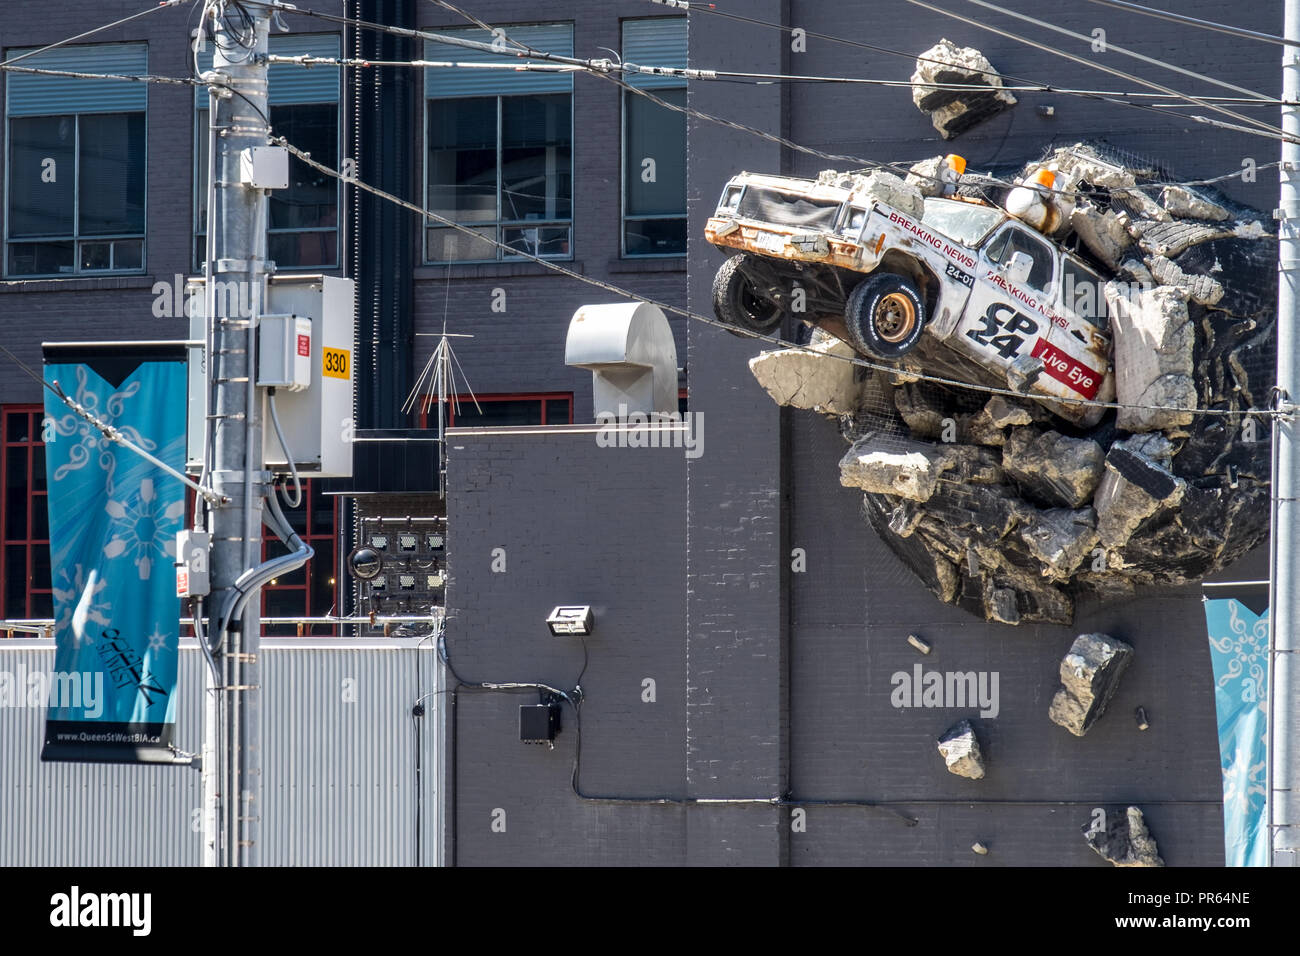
1045,178
956,163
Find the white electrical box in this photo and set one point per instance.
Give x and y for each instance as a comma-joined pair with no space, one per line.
192,549
317,419
284,352
264,167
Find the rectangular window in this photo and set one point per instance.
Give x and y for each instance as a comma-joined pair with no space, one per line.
505,410
654,141
499,156
303,227
76,164
25,587
312,590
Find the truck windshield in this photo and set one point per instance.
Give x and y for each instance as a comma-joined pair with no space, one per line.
963,221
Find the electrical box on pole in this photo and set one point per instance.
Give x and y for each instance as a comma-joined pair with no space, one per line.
311,314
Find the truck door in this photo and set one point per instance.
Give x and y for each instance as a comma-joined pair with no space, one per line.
1005,315
1077,351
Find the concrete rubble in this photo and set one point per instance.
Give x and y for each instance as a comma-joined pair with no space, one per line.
817,379
1008,512
1090,674
1152,349
960,749
1124,839
1185,203
954,111
1133,489
1053,468
882,185
1104,232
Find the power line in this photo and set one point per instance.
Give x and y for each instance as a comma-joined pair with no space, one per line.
1141,57
1193,21
308,60
695,316
1272,132
785,142
711,10
74,74
874,164
162,5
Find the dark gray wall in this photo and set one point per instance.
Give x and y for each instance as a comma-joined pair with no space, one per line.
579,524
788,674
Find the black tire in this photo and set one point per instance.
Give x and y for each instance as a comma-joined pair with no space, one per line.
737,304
885,316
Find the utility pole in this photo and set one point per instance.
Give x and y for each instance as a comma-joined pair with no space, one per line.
235,295
1283,798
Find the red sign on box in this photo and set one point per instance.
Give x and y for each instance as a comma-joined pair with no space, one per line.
304,345
1068,370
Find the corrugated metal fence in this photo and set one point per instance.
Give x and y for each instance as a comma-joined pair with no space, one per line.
339,765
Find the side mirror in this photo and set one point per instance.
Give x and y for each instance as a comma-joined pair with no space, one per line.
1019,267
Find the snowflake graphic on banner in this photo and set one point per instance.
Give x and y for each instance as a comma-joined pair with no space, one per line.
1246,650
141,531
157,640
80,593
90,441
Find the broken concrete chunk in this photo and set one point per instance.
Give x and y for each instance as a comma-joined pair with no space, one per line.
1061,539
961,751
925,176
954,111
1132,490
816,377
1000,604
1153,338
1123,839
879,185
1104,233
1170,238
1189,204
1054,468
1200,288
924,420
1090,673
908,469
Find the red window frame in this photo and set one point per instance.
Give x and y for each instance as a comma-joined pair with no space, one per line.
38,600
429,416
324,566
314,533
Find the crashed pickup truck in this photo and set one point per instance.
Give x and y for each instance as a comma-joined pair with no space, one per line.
872,261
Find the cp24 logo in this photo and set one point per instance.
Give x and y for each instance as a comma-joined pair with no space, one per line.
1002,330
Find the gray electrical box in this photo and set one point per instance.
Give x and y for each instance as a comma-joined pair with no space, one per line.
264,167
317,419
284,352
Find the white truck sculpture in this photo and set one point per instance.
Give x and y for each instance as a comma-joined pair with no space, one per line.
876,265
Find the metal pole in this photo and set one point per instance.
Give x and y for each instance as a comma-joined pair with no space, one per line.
1284,693
237,276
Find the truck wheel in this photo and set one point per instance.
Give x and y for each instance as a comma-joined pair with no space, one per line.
738,304
885,316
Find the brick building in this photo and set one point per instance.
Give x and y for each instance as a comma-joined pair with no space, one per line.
766,684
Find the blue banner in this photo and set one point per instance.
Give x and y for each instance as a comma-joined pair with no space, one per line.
113,522
1238,628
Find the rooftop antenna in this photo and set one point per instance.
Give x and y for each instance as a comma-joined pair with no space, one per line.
440,374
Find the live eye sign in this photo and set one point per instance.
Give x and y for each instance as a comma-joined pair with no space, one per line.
336,363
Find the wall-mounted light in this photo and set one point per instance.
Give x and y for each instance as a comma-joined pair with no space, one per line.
573,620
